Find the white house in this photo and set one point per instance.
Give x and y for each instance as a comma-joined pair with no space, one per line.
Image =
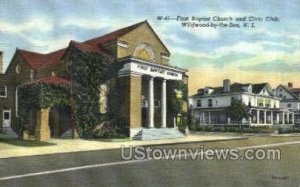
290,99
209,105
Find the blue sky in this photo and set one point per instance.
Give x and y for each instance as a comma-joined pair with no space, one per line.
45,26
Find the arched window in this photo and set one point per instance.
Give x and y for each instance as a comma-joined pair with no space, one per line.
144,51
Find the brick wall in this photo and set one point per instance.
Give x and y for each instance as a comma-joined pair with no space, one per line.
130,108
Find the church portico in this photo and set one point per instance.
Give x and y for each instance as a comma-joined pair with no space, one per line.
151,109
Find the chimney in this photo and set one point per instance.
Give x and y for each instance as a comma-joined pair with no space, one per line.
290,85
226,85
1,62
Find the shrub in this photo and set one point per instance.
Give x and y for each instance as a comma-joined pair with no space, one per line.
288,130
210,128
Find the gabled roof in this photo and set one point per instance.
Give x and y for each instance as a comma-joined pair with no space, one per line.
113,35
89,48
296,91
257,88
234,88
39,60
292,91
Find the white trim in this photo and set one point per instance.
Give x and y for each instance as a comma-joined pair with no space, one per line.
4,96
165,57
174,68
122,44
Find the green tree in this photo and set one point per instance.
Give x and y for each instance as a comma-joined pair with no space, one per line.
237,111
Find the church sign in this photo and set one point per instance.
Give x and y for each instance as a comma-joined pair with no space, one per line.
154,70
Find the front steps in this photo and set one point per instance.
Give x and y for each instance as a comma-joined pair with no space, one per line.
67,135
157,134
8,132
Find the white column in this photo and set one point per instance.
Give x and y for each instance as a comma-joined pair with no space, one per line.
164,104
209,118
17,102
272,117
151,103
283,118
293,118
175,125
265,117
257,117
277,118
288,118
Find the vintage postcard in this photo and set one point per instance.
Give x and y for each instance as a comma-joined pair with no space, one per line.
149,93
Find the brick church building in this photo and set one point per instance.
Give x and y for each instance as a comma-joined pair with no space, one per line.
143,74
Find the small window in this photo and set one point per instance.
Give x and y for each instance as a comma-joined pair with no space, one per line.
216,102
6,116
157,103
280,90
289,105
284,97
209,102
3,91
280,95
31,75
18,69
144,103
199,104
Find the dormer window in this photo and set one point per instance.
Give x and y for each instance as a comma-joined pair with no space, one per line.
18,69
250,88
3,91
208,90
31,75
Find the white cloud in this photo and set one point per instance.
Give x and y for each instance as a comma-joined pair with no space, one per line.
203,32
270,33
32,24
48,44
85,23
195,54
240,47
269,56
176,39
93,23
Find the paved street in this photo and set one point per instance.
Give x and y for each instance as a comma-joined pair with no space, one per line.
106,168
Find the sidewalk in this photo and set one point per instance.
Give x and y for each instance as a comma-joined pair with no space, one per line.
75,145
